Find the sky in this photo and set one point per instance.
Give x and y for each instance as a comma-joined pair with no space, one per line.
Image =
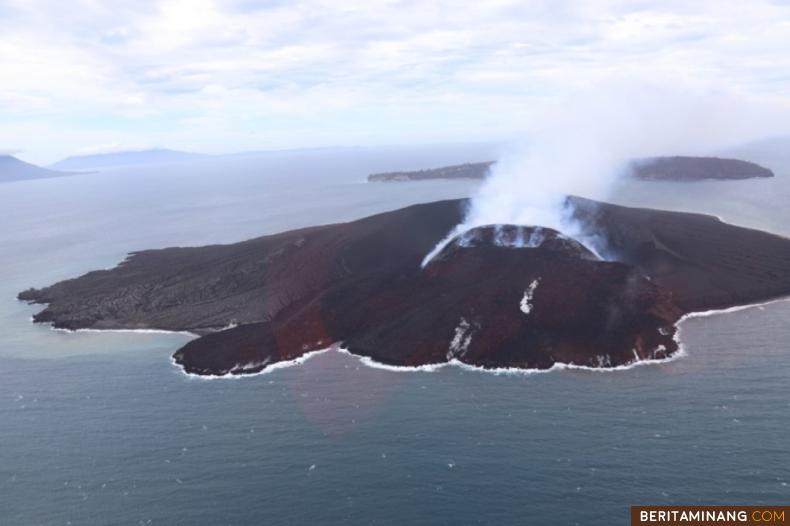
88,76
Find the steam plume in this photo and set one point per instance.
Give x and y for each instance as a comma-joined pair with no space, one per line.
582,146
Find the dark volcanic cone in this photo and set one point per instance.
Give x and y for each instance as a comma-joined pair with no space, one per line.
497,296
517,236
479,301
487,299
500,306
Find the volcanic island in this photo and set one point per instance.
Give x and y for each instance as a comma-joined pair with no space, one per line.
497,296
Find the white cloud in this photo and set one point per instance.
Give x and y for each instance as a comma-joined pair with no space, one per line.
196,74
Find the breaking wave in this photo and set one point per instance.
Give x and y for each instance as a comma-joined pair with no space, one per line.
138,331
269,368
497,371
714,312
434,367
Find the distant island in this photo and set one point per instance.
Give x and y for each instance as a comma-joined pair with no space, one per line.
125,158
13,169
516,296
458,171
695,169
677,168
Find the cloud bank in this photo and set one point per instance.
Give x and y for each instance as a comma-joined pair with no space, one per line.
222,76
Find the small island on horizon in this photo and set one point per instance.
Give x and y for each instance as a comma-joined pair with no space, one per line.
498,296
675,168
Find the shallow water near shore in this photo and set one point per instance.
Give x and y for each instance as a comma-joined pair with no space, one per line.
99,428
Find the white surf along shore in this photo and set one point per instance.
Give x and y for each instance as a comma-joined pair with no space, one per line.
430,368
138,331
369,362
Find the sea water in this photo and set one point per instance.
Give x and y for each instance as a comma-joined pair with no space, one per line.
101,428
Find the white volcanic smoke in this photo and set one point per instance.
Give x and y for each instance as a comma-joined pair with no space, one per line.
582,148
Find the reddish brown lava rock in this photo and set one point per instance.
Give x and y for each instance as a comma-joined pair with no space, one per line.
498,296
